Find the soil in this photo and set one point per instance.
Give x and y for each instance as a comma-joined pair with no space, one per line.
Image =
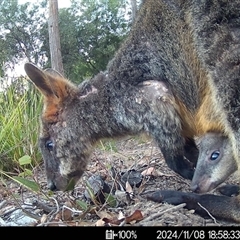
129,206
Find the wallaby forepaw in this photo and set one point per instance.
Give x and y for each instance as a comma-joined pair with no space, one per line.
167,196
229,190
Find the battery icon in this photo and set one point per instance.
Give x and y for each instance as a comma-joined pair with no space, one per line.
109,235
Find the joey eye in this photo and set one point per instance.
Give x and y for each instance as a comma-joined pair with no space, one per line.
215,155
49,145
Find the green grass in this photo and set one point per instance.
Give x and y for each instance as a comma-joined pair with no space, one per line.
108,145
19,127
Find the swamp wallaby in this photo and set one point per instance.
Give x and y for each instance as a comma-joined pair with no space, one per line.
191,47
75,118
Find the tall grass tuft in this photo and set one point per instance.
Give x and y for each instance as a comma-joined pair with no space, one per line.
19,126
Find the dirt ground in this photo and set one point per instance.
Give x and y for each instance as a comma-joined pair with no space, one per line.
138,155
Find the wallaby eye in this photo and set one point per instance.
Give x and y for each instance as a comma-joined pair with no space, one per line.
49,145
215,155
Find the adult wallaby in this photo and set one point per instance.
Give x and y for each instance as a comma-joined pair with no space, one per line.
192,48
75,118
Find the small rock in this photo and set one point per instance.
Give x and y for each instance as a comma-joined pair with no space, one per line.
20,218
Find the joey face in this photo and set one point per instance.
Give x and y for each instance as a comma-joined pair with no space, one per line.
215,162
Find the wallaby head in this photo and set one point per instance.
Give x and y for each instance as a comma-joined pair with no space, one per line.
63,148
215,162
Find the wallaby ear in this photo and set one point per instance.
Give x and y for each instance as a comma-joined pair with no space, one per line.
50,82
54,88
39,78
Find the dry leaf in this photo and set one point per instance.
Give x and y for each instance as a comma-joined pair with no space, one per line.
68,204
57,217
136,216
109,218
129,188
100,223
105,214
113,222
43,218
121,215
66,214
149,171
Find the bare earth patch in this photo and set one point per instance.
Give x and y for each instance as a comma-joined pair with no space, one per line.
126,205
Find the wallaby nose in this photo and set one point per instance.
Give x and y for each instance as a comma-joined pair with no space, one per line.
195,188
52,186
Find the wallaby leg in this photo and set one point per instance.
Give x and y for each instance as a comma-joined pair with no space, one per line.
191,151
179,164
174,155
220,207
185,165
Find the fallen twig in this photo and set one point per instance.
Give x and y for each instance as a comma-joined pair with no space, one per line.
210,215
156,215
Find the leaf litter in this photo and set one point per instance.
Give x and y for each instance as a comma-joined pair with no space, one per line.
111,193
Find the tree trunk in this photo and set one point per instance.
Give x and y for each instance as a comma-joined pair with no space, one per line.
54,37
134,9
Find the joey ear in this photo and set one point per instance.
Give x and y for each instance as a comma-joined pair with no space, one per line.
39,78
86,89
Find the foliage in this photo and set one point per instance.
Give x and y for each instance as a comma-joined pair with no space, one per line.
20,33
19,114
90,33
